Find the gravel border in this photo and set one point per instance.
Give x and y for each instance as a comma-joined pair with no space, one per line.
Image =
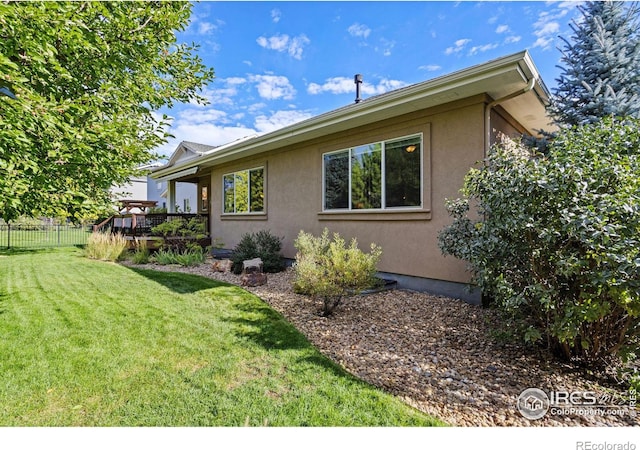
435,353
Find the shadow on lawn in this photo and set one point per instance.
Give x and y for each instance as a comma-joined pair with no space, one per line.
181,283
265,327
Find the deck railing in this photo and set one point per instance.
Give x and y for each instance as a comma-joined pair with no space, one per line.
137,225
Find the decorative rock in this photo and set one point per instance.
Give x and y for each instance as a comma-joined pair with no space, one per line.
253,279
252,266
222,266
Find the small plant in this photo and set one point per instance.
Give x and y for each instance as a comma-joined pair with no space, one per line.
141,255
105,246
189,257
329,269
261,245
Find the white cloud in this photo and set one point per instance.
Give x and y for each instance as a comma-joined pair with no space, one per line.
273,87
343,85
281,43
335,85
235,80
502,29
385,47
481,48
276,14
277,42
223,90
297,46
546,27
279,119
199,116
359,30
457,47
204,127
512,39
430,67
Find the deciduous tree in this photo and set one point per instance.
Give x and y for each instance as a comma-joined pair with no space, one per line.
88,78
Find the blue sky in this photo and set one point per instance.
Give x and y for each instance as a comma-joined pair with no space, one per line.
277,63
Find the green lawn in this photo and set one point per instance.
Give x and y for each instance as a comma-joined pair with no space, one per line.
88,343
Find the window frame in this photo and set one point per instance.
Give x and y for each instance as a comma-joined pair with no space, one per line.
264,191
383,182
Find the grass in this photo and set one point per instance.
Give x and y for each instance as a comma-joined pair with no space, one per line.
106,246
90,343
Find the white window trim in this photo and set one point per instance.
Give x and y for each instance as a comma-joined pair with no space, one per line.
349,208
264,200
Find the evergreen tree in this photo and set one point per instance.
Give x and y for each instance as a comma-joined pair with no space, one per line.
601,76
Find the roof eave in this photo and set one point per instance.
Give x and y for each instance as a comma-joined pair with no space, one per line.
518,68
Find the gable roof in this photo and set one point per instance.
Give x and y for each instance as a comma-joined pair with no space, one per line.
187,150
497,78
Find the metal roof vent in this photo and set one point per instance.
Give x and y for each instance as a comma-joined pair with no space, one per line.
357,79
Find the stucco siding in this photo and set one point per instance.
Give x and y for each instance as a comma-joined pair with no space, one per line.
453,141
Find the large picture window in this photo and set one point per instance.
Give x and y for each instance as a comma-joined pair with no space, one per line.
244,191
381,175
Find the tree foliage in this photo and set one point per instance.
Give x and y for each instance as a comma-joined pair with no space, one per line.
601,73
87,78
556,241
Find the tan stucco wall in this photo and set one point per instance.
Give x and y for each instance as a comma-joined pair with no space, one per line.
453,141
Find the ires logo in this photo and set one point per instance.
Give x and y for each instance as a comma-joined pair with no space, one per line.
534,403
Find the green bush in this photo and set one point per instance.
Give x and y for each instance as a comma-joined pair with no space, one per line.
556,239
181,234
105,246
329,269
261,245
188,257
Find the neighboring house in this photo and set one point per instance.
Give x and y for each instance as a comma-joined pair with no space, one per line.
136,189
378,170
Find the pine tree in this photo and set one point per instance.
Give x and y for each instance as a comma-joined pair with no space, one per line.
601,76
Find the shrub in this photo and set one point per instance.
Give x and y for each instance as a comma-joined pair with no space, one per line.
557,241
329,269
261,245
188,257
141,255
181,234
105,246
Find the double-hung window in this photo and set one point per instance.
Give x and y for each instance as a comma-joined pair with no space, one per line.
244,191
381,175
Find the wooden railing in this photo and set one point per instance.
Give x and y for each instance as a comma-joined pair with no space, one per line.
142,224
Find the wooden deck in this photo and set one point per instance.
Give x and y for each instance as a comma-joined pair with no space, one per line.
139,227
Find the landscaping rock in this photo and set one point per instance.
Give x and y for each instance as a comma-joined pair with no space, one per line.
253,279
252,266
222,266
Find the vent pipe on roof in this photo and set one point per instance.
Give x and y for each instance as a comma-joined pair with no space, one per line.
357,79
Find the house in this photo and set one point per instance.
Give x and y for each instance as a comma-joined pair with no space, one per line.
379,169
184,195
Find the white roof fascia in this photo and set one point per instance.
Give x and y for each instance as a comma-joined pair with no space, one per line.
175,175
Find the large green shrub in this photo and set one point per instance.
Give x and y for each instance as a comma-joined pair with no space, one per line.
180,235
329,269
555,240
261,245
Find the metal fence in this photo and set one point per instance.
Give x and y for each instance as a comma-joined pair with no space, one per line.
20,236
